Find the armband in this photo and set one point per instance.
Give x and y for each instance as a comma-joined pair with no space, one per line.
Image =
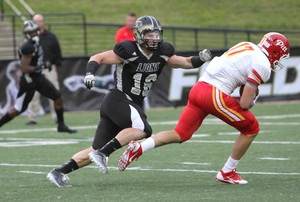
37,68
196,62
92,67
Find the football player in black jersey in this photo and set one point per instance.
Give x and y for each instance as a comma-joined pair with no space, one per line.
139,64
32,79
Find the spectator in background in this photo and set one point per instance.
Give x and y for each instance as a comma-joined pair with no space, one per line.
52,53
126,32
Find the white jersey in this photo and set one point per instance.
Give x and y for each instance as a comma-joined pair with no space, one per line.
243,62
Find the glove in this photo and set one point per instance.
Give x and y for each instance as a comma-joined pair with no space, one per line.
89,80
205,55
47,65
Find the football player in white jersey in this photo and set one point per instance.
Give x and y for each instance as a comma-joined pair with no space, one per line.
245,64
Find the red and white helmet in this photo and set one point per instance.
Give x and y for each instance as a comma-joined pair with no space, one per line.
276,47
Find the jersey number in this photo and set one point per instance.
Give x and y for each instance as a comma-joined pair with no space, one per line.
239,49
136,90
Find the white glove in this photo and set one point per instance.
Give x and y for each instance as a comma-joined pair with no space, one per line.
205,55
89,81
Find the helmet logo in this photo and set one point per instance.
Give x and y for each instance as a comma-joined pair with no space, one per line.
281,44
138,23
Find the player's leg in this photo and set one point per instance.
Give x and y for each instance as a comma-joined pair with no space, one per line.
21,104
47,89
228,110
105,133
189,121
128,117
81,159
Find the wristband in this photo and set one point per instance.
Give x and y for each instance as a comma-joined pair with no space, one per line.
92,67
36,68
196,62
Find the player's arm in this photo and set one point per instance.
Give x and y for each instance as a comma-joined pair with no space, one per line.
108,57
180,62
25,64
249,95
189,62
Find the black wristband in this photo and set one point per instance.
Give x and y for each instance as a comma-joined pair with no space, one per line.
36,68
196,62
92,67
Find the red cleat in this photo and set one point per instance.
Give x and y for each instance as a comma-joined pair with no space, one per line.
133,151
231,177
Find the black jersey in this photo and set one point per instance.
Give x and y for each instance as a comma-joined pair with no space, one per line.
136,74
29,47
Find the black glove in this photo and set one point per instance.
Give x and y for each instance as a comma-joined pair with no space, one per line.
45,65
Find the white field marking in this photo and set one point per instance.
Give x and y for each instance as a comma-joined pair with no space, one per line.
231,142
43,139
22,142
31,172
279,116
200,135
41,130
237,133
191,163
151,169
25,142
277,159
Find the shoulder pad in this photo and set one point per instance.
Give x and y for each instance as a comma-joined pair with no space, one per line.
27,48
125,49
167,49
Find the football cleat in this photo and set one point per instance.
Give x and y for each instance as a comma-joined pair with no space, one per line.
133,151
231,177
63,128
100,160
58,178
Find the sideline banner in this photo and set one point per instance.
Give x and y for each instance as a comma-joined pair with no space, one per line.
170,90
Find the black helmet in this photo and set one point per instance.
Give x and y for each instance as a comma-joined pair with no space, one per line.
28,27
145,25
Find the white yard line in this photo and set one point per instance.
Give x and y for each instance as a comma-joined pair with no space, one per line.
144,169
276,159
232,142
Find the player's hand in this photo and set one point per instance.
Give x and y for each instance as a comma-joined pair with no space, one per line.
205,55
47,65
89,80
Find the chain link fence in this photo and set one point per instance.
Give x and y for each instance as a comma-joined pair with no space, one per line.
79,38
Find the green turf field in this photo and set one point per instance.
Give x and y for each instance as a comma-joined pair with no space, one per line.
178,172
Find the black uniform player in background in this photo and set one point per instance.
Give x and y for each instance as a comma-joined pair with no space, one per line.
32,79
139,64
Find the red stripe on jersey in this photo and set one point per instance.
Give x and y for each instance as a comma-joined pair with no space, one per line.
253,81
261,81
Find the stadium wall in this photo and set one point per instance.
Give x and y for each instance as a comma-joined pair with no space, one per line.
170,90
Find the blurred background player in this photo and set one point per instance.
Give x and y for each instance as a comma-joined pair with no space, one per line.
52,53
32,79
245,64
126,32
